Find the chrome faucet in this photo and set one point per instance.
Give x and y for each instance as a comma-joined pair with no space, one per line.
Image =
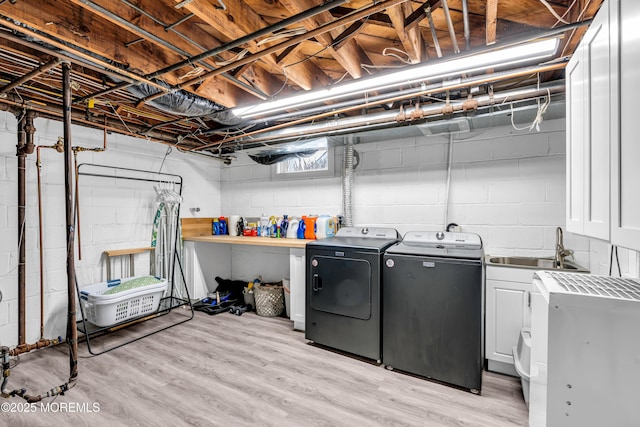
561,252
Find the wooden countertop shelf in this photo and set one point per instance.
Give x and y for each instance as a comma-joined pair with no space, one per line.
199,230
247,240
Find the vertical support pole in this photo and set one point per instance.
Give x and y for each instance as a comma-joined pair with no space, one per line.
72,332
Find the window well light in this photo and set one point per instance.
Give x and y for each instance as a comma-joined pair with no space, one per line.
460,64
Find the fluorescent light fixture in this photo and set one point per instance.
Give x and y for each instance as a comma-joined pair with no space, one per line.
441,69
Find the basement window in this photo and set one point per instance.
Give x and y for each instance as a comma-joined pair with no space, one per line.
314,160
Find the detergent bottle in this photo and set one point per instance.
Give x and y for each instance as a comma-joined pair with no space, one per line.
292,228
284,225
325,227
301,227
263,226
223,225
310,227
273,227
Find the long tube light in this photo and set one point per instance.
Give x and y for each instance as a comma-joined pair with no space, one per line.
462,64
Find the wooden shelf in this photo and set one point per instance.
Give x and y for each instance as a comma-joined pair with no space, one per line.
247,240
120,252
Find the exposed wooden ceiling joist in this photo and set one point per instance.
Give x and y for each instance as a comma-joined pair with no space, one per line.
195,53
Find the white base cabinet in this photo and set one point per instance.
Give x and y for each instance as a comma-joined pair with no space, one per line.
507,312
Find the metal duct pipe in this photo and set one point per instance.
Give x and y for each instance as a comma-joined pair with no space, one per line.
347,182
72,331
350,124
459,84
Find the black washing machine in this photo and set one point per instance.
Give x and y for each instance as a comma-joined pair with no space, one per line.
433,307
343,289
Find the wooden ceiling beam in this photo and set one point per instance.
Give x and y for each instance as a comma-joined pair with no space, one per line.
238,20
420,13
411,38
230,93
71,24
492,21
349,55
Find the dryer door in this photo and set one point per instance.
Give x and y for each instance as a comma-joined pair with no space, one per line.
341,286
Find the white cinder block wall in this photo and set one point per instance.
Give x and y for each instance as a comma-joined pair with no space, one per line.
114,214
506,185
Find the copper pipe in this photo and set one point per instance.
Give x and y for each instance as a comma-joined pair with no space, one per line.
42,343
43,69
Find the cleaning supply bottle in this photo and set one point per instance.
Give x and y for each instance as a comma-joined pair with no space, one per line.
325,227
223,225
301,227
284,225
292,228
215,227
273,227
310,227
263,227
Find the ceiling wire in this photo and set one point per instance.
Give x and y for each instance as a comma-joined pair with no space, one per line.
584,9
554,13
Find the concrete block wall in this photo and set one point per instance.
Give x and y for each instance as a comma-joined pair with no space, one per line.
114,214
506,185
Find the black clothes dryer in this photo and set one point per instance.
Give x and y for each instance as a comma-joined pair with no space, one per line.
343,289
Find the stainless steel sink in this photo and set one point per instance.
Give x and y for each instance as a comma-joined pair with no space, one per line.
535,263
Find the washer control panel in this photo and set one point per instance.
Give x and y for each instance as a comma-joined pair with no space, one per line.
443,239
368,232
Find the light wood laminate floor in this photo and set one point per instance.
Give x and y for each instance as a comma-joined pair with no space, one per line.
227,370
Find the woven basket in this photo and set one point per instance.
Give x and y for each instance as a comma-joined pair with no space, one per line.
269,300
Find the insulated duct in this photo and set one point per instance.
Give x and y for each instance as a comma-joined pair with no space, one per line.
181,102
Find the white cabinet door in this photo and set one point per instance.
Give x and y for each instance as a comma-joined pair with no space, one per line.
589,121
507,313
577,95
298,288
597,57
625,165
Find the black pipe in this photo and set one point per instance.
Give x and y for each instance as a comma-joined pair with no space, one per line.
72,332
227,46
22,247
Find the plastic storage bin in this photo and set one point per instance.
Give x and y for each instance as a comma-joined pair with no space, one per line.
106,310
522,360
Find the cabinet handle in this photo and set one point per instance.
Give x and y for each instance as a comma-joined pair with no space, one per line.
317,283
528,298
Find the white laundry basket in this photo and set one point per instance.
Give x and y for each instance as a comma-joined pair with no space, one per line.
106,310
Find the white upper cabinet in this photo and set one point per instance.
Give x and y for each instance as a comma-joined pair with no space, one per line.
625,150
589,123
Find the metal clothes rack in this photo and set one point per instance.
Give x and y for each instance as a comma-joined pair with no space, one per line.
168,303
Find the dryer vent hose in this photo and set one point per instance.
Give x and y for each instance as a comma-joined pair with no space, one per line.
347,185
